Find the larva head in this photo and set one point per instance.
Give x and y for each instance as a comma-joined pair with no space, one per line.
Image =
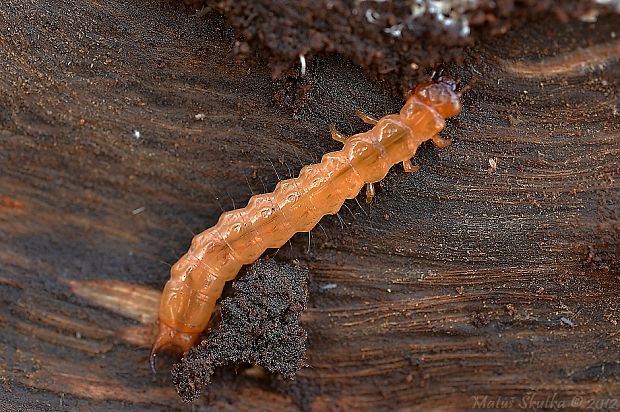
441,96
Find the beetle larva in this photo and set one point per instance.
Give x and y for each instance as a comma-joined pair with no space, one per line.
296,205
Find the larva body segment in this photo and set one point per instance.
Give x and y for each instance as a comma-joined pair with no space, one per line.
296,205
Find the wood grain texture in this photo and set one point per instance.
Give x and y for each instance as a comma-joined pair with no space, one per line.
491,272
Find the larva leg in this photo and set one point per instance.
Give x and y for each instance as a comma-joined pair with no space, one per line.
440,142
408,166
336,135
370,192
366,118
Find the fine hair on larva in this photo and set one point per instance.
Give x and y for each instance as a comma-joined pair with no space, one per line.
296,205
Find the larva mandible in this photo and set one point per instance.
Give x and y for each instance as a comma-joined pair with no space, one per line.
296,205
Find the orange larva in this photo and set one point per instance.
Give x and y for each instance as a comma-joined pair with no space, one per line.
296,205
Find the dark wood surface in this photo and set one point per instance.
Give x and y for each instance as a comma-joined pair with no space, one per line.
490,275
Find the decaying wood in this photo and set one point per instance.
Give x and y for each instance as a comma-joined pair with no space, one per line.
491,274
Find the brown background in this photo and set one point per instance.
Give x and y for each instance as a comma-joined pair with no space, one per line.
460,281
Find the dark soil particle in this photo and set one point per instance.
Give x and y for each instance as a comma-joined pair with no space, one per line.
260,325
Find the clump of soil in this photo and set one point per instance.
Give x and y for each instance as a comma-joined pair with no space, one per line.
399,41
260,325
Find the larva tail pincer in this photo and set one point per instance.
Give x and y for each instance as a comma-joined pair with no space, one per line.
296,205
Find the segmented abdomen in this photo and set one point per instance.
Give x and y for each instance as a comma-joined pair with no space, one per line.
296,205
